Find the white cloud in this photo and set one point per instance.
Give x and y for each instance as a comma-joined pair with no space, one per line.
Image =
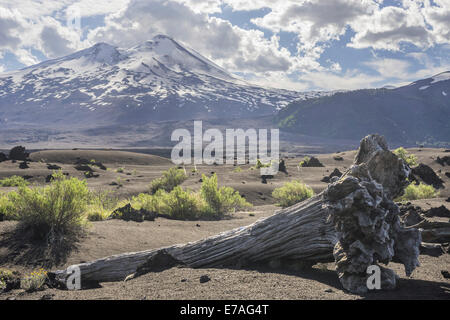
234,48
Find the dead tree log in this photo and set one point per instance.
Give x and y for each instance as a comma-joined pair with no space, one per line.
353,222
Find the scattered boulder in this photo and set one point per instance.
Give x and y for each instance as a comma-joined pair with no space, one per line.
427,175
431,249
53,167
443,161
3,157
205,278
18,153
447,174
23,165
338,158
441,211
83,167
90,174
448,199
265,177
311,162
445,274
282,166
335,173
128,213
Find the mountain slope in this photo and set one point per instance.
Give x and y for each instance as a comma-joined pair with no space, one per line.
416,113
154,81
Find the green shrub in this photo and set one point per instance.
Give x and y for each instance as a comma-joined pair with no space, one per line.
120,170
170,179
14,181
34,281
210,202
410,159
222,200
7,211
260,165
304,161
417,192
291,193
180,204
54,211
237,169
101,206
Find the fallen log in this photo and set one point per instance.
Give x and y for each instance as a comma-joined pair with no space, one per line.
353,222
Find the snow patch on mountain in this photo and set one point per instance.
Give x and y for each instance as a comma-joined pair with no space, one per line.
156,80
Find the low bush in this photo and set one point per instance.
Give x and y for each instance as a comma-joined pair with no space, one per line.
210,202
34,281
260,165
50,213
101,205
417,192
169,180
7,210
410,159
222,200
304,162
291,193
14,181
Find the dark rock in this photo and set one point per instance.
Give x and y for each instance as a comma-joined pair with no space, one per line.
3,157
311,162
53,167
443,161
431,249
335,173
128,213
91,174
265,177
445,274
205,278
83,167
448,199
282,167
447,174
427,175
23,165
18,153
441,211
338,158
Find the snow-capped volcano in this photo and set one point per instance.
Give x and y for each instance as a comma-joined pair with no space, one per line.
156,80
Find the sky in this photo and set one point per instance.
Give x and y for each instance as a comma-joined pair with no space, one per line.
299,45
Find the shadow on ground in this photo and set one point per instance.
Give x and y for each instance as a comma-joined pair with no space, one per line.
23,250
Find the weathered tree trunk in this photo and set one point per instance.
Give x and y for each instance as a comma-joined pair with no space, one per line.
354,221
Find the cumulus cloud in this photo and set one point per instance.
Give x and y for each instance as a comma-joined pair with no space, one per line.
230,46
255,51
